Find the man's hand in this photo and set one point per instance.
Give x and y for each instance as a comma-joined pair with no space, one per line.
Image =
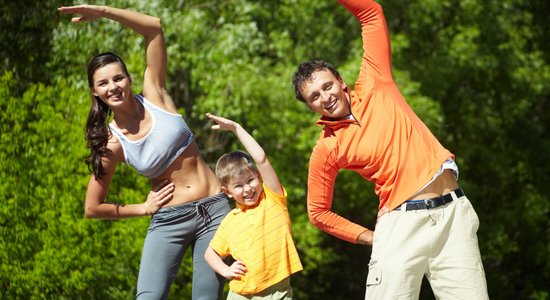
365,238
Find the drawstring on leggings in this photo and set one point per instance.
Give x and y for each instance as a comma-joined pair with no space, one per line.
202,210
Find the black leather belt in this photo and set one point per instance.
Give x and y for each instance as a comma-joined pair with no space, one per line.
431,202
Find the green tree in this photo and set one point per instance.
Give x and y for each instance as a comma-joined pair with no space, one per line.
476,71
487,64
27,30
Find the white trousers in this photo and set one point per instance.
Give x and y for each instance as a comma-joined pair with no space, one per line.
439,243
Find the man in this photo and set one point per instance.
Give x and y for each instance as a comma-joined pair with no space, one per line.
426,225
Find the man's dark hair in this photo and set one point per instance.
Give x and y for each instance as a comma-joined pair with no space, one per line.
304,72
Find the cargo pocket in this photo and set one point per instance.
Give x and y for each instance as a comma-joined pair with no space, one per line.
375,274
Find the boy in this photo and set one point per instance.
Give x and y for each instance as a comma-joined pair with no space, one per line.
257,232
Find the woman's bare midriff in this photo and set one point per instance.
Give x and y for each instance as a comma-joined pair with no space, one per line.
192,177
443,184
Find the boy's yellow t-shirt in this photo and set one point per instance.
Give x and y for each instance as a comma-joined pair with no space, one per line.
260,236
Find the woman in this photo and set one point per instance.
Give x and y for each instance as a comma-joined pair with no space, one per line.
147,132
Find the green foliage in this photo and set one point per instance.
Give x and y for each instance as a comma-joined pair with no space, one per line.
52,251
27,30
476,71
486,62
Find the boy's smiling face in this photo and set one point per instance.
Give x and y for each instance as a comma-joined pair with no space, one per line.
245,189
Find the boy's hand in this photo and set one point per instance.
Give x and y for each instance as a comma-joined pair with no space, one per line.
236,270
222,123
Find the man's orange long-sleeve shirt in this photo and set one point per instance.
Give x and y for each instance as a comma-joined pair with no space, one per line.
385,143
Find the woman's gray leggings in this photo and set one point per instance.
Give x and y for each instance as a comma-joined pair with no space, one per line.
171,231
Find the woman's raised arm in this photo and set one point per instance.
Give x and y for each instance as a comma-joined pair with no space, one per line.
154,81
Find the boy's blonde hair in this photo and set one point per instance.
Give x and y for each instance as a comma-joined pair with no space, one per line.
233,165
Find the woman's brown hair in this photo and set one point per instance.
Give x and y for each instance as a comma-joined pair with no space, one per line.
97,128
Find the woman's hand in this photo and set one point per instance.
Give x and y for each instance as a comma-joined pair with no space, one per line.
158,197
88,12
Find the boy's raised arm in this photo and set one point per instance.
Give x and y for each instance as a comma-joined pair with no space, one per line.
257,153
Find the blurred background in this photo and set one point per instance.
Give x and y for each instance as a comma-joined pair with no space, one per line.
477,72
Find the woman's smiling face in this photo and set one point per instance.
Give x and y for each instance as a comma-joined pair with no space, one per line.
111,84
